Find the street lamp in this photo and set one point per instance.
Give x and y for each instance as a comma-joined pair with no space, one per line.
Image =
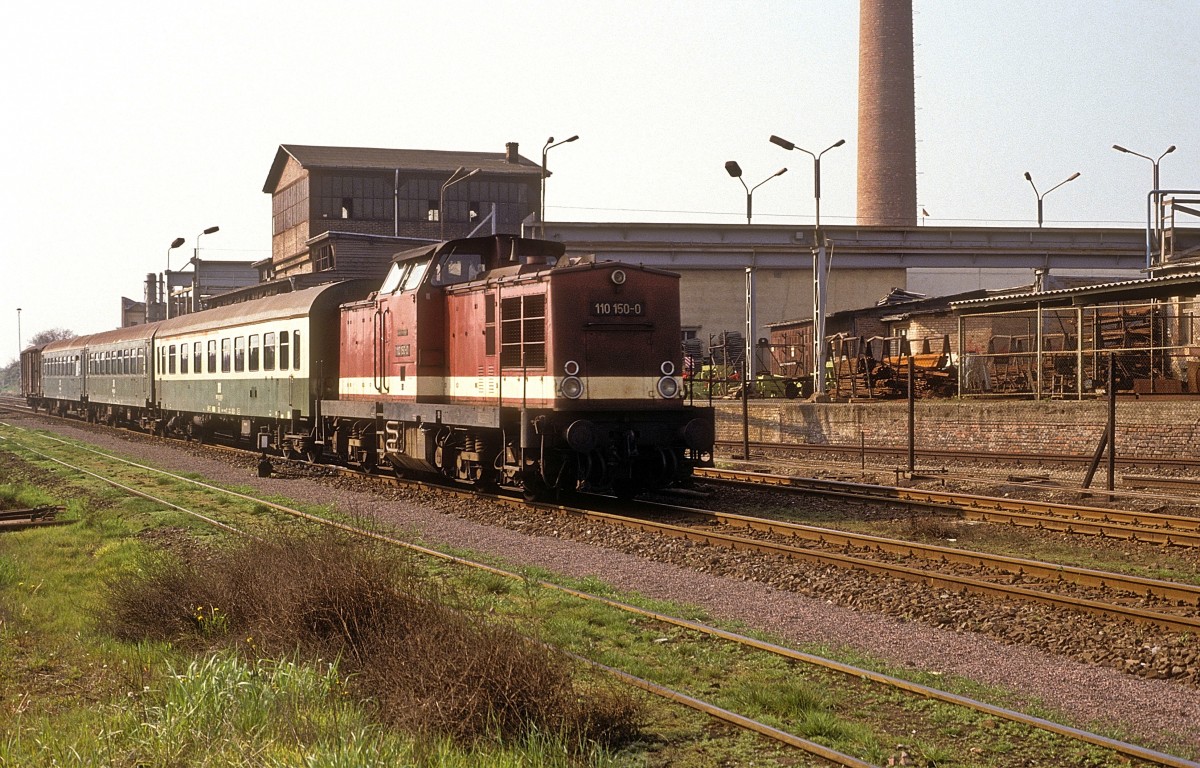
19,330
549,145
820,267
735,171
196,265
167,276
1155,187
1029,178
454,179
816,166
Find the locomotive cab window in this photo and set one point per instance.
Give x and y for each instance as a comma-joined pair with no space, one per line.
453,268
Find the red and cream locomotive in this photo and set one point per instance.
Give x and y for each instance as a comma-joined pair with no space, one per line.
492,361
497,362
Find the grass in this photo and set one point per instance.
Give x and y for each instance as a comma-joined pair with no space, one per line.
302,652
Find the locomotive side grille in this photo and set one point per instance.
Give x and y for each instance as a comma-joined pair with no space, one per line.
523,331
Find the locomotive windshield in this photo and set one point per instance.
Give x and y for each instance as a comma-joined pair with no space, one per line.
404,276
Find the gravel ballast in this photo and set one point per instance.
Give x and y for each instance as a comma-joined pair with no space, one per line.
1152,711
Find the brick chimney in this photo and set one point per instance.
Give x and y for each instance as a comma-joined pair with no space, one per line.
887,141
510,152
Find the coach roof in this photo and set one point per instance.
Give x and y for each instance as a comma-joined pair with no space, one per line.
283,305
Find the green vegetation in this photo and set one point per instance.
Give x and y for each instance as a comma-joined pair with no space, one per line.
134,638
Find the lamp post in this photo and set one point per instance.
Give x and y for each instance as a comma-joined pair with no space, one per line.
196,264
454,179
549,145
1029,178
735,171
19,342
1155,187
167,277
820,267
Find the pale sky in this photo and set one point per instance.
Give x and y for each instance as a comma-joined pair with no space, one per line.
132,123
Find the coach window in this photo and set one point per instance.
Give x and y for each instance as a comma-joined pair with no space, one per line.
284,357
239,353
212,355
141,361
183,357
171,359
296,350
197,357
253,352
226,354
268,351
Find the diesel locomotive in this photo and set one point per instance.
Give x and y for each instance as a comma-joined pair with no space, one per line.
493,361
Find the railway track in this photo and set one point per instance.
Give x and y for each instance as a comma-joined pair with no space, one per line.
853,674
939,456
1146,527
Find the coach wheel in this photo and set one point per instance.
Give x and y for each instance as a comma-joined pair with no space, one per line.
534,489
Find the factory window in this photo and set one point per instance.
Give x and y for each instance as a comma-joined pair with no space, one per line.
347,207
254,352
322,257
268,351
283,351
239,354
523,331
226,354
197,357
212,355
432,211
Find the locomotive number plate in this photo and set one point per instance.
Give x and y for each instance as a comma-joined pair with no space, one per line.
618,308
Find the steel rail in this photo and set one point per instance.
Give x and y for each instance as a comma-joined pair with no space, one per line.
1138,585
917,575
995,457
699,705
1121,747
1177,530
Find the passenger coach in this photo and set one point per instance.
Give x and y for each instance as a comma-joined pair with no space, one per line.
256,370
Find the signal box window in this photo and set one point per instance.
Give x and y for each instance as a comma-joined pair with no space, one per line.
268,351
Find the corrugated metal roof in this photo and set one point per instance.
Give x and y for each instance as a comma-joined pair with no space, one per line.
1144,288
373,158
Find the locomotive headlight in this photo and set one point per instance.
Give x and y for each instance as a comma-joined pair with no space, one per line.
668,387
571,367
571,387
667,368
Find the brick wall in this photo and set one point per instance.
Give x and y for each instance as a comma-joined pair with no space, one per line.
1145,428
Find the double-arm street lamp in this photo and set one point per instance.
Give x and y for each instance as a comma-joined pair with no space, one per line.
196,265
454,179
549,145
166,287
1029,178
735,171
1155,187
820,267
